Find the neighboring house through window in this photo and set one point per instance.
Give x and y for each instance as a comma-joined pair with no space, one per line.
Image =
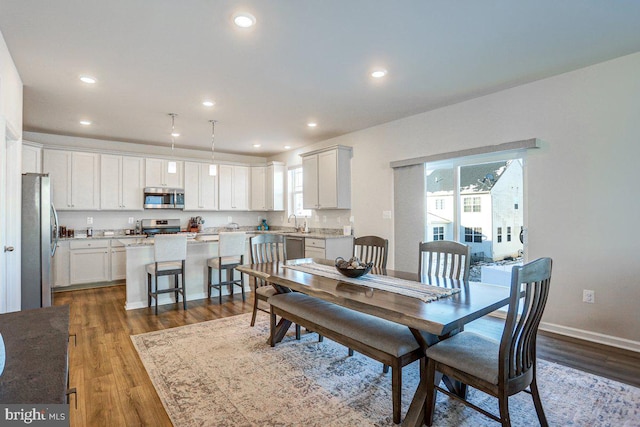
438,233
499,234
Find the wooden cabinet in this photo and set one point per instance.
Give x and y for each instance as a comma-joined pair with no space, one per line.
157,173
234,187
121,182
118,261
327,178
75,179
201,188
267,187
328,248
60,265
31,158
89,261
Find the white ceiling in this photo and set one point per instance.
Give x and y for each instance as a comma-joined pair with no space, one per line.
305,60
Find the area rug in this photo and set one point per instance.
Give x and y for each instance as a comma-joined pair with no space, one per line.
224,373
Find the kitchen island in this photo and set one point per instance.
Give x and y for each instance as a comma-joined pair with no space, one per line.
139,253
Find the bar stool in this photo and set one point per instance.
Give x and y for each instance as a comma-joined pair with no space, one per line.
231,248
170,253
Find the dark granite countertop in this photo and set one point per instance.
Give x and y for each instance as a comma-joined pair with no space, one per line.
36,343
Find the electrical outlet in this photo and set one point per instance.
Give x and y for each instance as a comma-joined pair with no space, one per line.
130,220
338,220
229,219
324,218
386,214
588,296
89,220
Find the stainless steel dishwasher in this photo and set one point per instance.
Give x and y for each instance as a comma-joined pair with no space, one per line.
295,247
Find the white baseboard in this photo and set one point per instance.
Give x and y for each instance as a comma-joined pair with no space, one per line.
594,337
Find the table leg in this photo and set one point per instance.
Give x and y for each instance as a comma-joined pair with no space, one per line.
278,331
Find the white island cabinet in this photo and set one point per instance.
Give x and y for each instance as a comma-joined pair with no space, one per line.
139,254
75,179
121,182
327,178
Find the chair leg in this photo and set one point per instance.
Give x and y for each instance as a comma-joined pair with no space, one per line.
350,352
320,338
430,400
297,332
272,331
538,403
242,286
255,307
156,296
503,403
385,369
396,391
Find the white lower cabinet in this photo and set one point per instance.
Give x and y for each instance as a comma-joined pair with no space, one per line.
331,248
118,261
89,261
60,265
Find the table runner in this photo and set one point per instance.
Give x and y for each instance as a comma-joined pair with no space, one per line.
408,288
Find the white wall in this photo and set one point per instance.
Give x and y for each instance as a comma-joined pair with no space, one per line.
10,91
582,203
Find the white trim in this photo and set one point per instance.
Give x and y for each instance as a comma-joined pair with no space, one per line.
581,334
168,298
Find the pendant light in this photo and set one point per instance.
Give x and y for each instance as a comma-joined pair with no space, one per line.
213,168
171,165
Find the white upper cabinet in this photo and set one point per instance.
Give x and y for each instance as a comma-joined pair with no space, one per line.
121,182
326,178
201,188
267,187
234,187
31,158
75,179
157,173
258,188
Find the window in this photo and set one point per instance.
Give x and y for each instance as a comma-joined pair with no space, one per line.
471,204
508,234
473,234
438,233
295,193
439,204
499,234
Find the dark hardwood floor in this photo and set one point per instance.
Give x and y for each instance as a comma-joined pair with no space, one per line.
115,390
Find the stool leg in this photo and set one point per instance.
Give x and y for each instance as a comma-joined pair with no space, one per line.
209,274
220,284
156,295
175,285
148,290
184,289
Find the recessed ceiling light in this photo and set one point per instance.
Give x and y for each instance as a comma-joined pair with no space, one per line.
256,145
208,103
88,79
244,20
85,122
175,134
312,124
379,74
287,147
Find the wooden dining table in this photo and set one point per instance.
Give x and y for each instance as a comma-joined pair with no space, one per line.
441,318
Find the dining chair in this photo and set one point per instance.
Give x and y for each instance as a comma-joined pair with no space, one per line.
444,258
231,249
371,249
265,248
170,253
498,368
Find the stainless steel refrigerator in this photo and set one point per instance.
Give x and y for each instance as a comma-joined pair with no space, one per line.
39,240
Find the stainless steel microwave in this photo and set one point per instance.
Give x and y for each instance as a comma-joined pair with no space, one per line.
163,198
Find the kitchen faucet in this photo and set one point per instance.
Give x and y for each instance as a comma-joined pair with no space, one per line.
295,221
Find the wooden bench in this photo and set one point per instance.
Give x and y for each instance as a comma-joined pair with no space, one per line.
385,341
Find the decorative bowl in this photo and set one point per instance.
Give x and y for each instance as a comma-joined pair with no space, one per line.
353,272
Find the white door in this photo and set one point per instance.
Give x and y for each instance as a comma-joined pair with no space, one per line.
10,190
